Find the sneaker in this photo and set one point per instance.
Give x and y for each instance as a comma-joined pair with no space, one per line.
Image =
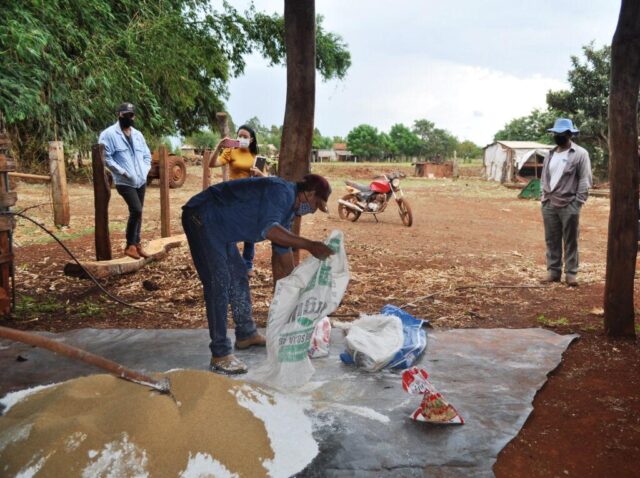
132,251
571,280
549,278
141,252
251,273
229,365
257,340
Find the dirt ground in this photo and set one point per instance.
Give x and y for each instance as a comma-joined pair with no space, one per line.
472,259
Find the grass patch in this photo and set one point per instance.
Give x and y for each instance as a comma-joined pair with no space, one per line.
27,306
542,320
85,309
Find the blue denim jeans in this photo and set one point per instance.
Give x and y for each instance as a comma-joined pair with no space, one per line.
224,281
248,252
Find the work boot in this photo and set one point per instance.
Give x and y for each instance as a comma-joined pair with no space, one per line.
141,252
549,278
132,251
571,280
229,365
257,340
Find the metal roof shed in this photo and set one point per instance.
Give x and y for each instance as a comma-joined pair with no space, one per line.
503,160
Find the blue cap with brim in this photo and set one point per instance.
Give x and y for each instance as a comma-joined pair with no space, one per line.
563,124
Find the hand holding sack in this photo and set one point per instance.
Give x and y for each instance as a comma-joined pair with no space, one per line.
311,292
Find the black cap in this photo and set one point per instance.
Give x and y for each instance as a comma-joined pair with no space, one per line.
126,108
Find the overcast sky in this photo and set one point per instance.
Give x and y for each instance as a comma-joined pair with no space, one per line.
469,66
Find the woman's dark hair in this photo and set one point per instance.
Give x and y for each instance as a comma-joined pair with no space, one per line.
253,146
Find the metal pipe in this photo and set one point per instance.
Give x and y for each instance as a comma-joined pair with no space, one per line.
350,205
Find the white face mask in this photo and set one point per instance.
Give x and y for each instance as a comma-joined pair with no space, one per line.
244,142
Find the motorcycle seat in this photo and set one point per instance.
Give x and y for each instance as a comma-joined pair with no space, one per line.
358,186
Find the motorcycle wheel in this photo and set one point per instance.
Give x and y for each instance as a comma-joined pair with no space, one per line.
405,212
349,214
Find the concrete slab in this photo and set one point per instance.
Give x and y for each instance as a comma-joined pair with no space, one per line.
361,420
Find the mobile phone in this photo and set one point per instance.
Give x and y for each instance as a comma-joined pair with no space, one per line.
260,162
231,143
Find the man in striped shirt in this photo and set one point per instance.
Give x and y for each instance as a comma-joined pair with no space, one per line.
565,182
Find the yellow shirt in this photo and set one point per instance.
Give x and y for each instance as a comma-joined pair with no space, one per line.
240,162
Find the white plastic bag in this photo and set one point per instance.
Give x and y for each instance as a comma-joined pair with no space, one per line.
312,291
374,340
320,339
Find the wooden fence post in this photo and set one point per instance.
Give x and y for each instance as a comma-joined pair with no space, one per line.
7,224
223,128
206,171
101,198
61,213
165,212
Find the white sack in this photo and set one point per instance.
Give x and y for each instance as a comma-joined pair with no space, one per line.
312,291
374,340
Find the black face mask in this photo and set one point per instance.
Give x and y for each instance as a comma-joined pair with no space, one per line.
125,122
561,139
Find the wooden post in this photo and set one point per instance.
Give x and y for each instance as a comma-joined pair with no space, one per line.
622,243
101,198
206,171
165,210
7,224
223,128
61,213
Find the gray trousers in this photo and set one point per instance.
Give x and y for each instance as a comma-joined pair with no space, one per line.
561,228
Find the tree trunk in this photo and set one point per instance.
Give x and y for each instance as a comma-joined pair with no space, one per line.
622,244
297,130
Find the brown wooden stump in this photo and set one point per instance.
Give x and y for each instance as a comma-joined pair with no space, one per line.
101,198
223,128
59,192
165,208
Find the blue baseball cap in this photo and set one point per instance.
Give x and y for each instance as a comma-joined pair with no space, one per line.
563,124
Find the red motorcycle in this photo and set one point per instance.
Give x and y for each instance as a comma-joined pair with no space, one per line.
373,199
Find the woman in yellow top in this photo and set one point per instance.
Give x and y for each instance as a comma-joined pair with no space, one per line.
241,161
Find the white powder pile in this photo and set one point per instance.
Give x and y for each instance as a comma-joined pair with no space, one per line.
101,426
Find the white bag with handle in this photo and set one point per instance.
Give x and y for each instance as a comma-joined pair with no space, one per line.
312,291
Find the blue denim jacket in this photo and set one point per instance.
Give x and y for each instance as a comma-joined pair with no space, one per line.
128,166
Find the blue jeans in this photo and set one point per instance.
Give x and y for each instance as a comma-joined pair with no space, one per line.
248,251
224,281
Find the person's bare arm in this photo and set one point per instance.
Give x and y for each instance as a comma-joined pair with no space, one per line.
282,237
216,153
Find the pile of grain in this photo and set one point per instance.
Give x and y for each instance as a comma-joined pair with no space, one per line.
104,426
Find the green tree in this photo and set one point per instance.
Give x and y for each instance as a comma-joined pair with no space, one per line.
321,142
203,139
364,141
61,76
529,128
404,142
436,143
469,150
586,102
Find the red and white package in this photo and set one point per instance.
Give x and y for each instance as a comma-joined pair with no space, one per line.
434,408
319,345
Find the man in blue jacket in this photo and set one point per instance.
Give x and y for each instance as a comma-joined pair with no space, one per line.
245,210
129,160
